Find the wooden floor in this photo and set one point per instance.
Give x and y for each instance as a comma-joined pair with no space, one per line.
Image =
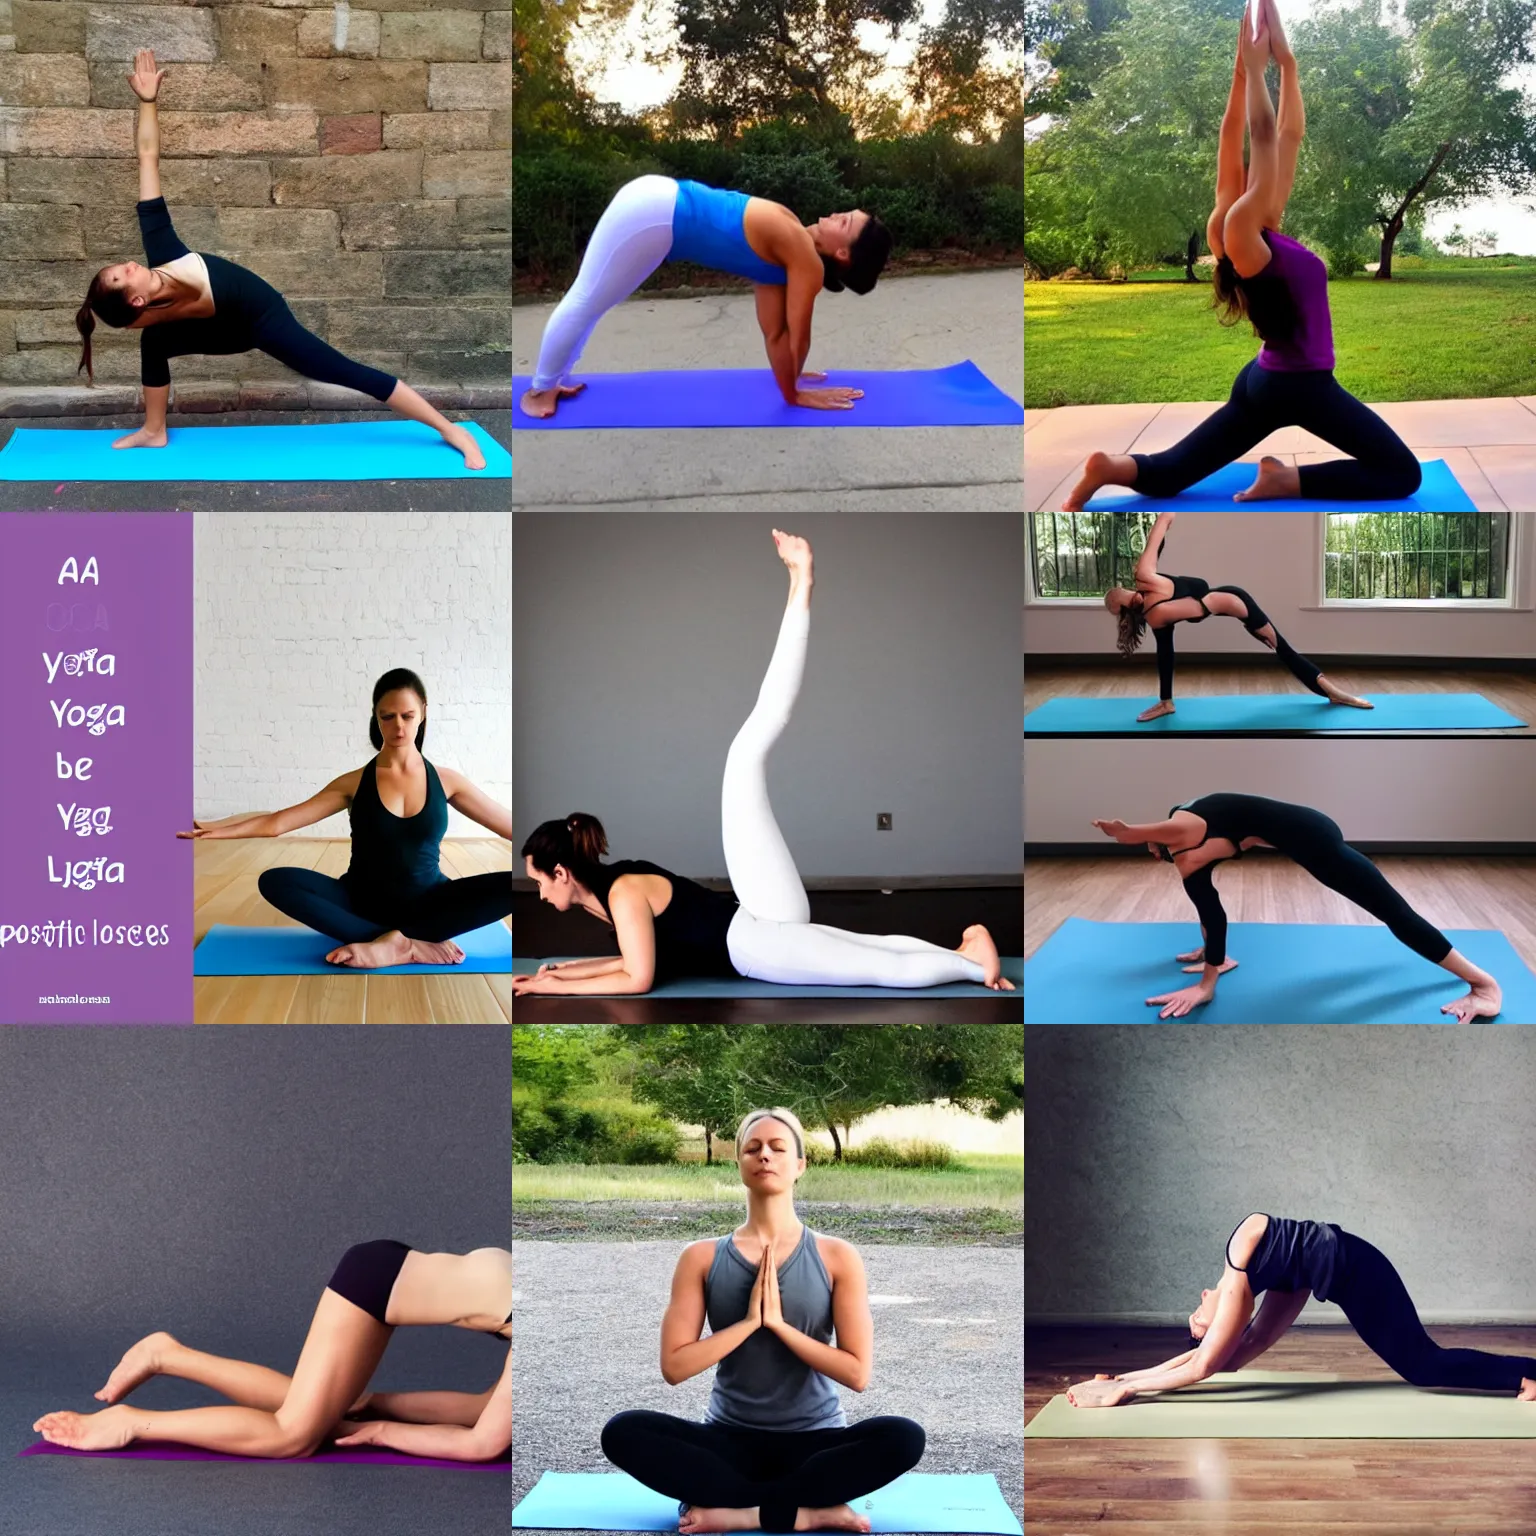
1267,1487
225,875
1267,888
1510,690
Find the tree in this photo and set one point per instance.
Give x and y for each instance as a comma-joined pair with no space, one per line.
691,1072
553,1059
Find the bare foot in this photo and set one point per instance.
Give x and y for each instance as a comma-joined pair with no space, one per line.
1336,695
700,1519
976,944
423,953
109,1430
392,948
143,438
144,1360
462,439
1164,707
542,402
1527,1390
834,1517
1482,1002
1275,478
1099,470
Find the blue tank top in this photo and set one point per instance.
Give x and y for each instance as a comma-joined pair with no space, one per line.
1295,1256
762,1383
708,229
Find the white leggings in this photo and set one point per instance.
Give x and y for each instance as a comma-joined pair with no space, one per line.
631,240
772,937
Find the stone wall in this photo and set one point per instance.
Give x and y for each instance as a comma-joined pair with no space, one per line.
357,156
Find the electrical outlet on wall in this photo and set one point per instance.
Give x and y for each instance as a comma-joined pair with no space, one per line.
882,821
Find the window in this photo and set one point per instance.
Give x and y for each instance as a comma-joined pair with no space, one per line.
1416,557
1084,554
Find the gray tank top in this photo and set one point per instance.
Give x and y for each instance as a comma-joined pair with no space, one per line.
762,1383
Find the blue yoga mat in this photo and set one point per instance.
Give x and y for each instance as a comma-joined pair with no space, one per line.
916,1501
1440,492
228,951
1288,973
1268,712
959,396
343,450
740,986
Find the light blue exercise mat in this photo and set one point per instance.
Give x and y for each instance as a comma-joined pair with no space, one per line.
1439,492
916,1501
1266,712
342,450
228,951
1288,973
740,986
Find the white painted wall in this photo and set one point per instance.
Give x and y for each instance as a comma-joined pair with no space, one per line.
298,613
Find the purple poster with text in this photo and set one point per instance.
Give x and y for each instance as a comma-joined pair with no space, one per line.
95,888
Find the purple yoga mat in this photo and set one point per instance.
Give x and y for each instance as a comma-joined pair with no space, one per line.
369,1455
958,396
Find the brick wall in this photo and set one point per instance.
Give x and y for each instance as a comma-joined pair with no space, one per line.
299,613
357,156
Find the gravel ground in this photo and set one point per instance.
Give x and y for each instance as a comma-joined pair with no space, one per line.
684,1220
949,1351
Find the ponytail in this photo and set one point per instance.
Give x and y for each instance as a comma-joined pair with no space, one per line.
578,843
85,323
101,303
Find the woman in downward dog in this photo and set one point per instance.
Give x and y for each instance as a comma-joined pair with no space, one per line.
376,1288
1163,601
1287,1261
188,301
667,926
775,1451
1282,289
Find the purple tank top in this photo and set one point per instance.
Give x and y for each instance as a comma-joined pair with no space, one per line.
1307,278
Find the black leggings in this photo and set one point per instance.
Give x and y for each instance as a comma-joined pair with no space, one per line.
1305,672
437,913
1262,400
718,1467
1378,1305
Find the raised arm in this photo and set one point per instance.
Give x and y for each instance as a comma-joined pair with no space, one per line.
1242,233
1291,125
145,84
1151,551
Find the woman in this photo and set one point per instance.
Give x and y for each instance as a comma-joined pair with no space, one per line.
655,219
377,1287
394,905
184,301
1282,289
774,1452
1288,1261
1213,828
1163,601
667,926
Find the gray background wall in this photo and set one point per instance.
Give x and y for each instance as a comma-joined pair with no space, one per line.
641,642
1277,556
1145,1147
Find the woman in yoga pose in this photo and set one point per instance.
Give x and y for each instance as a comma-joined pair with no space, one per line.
1208,830
1163,601
184,301
1282,289
1289,1261
667,926
774,1452
394,905
376,1288
655,219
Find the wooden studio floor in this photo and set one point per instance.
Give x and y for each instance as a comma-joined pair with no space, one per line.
1267,1487
225,875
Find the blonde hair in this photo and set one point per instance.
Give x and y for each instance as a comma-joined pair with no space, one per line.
752,1116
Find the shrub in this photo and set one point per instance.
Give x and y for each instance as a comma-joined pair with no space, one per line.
556,1132
808,183
880,1153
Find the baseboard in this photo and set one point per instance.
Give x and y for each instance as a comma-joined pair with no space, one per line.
1501,850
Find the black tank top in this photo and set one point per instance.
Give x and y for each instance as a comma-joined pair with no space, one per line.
395,856
1186,586
690,933
1287,828
1294,1256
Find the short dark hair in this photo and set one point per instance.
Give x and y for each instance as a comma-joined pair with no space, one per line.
866,260
578,843
400,677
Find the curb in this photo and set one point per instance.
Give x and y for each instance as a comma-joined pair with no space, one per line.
213,396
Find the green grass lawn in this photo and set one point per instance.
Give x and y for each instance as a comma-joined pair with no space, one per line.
984,1182
1458,329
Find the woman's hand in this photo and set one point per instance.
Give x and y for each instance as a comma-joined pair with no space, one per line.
837,398
1256,55
1163,707
549,970
773,1310
755,1300
1098,1393
543,984
370,1432
145,79
1278,45
199,830
1115,829
1184,1001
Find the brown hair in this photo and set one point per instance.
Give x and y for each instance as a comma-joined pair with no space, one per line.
578,842
101,302
1264,300
1132,620
867,257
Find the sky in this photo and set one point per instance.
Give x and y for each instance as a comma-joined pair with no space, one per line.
1513,223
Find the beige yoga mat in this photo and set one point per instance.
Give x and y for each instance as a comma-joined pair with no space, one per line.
1293,1405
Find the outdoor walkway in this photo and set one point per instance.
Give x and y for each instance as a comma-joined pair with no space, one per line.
1490,445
